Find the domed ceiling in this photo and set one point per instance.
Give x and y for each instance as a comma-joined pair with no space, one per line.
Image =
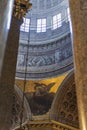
45,40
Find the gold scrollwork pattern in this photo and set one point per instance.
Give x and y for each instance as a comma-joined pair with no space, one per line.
21,7
46,124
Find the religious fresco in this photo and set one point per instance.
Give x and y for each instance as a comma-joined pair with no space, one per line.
40,93
40,100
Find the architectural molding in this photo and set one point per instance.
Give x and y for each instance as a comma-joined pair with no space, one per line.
46,60
21,7
64,108
46,124
16,108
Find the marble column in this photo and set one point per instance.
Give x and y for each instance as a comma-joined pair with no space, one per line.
78,9
8,74
5,17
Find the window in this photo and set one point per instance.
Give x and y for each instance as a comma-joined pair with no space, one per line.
41,25
25,26
57,21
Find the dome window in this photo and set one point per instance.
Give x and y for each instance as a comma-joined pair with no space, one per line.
41,25
57,22
25,26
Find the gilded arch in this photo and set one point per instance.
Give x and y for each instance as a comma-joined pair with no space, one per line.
64,106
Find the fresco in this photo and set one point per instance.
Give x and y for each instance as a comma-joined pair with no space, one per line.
40,100
40,93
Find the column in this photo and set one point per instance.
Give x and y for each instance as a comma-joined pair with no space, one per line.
5,17
78,9
8,74
8,71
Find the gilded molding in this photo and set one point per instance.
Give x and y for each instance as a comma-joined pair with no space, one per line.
21,7
46,124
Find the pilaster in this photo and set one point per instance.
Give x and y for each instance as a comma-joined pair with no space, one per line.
78,10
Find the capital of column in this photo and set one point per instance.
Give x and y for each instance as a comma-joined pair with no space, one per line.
21,7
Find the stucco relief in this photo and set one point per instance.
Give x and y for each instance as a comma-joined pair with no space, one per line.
17,114
21,60
48,57
44,60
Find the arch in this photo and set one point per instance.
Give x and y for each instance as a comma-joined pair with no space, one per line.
64,106
16,108
26,104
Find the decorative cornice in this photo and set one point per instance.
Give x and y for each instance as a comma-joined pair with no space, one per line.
45,60
21,7
46,124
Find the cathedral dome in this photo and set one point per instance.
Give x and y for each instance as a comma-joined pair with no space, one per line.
46,32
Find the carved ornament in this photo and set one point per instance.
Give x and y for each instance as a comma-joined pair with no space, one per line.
21,7
46,124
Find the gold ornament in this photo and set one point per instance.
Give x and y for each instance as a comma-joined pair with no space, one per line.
21,7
